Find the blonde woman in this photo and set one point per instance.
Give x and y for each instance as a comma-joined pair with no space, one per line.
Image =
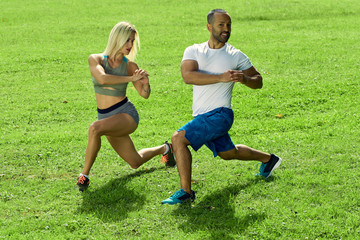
117,117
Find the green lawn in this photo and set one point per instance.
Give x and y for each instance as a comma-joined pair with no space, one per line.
308,53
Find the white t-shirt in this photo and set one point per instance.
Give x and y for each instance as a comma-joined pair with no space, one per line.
214,61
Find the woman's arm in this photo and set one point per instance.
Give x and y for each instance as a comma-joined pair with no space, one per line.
98,72
142,85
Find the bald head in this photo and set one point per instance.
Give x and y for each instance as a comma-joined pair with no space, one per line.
211,15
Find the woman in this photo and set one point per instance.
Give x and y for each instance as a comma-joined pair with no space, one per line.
117,117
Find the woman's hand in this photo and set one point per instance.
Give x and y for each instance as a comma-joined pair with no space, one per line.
141,75
140,80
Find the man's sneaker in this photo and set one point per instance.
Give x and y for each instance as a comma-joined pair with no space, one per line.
180,197
83,183
266,169
168,158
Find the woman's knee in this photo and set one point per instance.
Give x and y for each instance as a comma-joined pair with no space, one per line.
95,129
134,165
133,158
135,161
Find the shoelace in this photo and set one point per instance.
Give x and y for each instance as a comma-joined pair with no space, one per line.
179,194
81,179
261,170
165,158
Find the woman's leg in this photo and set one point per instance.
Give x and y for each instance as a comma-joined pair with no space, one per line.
117,129
117,125
124,146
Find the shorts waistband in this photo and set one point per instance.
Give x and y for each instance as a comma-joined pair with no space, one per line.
216,110
113,107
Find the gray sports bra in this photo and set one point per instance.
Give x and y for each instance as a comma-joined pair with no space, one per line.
118,90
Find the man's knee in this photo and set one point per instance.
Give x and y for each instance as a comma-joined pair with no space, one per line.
228,155
178,137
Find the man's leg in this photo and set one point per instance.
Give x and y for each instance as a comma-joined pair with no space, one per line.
183,159
243,152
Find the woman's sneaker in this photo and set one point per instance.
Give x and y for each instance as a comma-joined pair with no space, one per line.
168,158
83,183
180,197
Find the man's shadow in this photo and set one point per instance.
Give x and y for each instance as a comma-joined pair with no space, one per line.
214,216
113,201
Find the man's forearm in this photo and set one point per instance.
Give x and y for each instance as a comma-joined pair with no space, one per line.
253,82
199,78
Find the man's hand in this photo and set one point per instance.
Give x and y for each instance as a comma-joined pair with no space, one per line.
234,76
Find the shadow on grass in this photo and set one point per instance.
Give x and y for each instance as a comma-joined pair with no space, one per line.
113,201
214,217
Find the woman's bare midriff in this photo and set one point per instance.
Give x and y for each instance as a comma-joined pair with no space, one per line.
104,101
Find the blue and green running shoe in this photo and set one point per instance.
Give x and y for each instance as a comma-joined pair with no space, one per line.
180,197
266,169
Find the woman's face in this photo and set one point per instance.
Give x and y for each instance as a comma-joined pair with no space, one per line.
128,45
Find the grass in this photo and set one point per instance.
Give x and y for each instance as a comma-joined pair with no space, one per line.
307,53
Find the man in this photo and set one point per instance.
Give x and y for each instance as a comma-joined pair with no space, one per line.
213,68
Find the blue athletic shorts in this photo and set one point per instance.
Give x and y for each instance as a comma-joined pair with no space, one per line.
211,129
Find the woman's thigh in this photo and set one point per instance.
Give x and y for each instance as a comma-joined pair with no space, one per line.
118,125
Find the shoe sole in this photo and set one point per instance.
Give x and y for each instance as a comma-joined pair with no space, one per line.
187,201
275,167
81,188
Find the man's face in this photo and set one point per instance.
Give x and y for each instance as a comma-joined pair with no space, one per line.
221,27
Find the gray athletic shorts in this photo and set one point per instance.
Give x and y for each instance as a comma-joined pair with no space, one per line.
125,106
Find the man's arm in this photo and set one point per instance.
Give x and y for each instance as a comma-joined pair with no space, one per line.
249,77
191,75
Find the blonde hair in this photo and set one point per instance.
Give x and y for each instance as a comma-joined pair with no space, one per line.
118,37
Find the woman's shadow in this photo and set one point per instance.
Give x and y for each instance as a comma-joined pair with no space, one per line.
113,201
